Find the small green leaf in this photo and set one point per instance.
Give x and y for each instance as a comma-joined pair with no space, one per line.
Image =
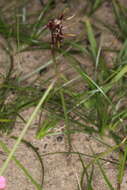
91,37
46,127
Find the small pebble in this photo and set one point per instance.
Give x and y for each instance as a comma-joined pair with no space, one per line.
45,146
59,138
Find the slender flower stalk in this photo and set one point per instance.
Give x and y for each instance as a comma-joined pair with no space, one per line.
56,29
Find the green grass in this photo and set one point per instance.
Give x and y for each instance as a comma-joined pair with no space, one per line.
100,102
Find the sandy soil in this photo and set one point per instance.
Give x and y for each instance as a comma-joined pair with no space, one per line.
61,171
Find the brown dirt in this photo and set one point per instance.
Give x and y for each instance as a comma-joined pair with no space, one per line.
61,171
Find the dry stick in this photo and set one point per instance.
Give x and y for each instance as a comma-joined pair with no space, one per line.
28,144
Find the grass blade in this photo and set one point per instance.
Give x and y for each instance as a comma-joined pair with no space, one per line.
91,38
26,128
122,163
18,163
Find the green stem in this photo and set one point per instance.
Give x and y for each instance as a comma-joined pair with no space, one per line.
55,62
66,119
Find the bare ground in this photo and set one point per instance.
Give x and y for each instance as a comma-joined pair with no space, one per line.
62,171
